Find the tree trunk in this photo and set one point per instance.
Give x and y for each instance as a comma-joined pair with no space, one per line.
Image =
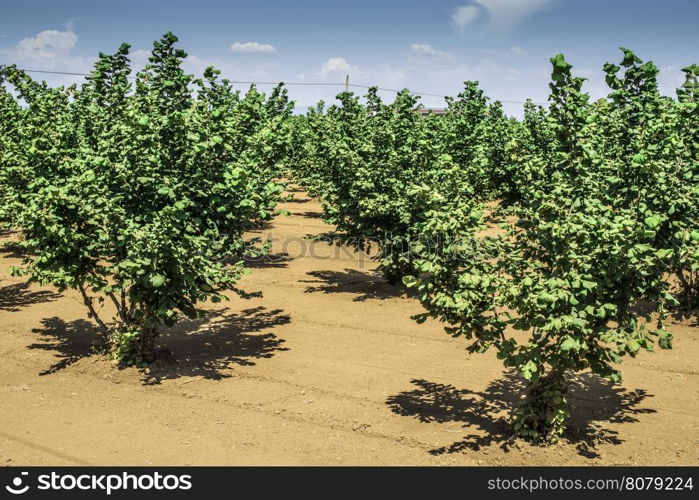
146,347
146,344
542,417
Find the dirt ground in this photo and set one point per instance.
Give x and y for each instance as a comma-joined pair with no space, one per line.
327,368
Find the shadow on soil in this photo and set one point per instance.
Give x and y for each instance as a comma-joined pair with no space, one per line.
195,348
365,285
270,261
6,233
691,316
310,215
16,296
11,249
208,347
595,402
686,312
291,199
72,341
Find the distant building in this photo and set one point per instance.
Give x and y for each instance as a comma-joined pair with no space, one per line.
436,111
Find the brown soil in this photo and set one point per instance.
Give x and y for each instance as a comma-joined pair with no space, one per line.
326,368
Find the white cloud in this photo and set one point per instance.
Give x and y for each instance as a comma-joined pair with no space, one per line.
391,76
518,52
502,13
507,13
253,47
335,65
513,74
49,50
428,50
139,57
500,53
47,45
422,49
465,15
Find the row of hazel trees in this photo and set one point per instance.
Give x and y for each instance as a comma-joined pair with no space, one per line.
605,198
378,168
137,192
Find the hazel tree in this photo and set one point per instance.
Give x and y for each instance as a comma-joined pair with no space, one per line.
138,194
555,293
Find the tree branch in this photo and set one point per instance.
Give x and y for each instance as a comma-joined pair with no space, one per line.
91,309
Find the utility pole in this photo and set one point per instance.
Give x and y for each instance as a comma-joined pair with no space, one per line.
346,83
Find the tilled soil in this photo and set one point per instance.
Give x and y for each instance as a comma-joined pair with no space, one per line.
326,368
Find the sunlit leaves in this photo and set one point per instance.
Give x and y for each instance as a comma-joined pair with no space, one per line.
138,191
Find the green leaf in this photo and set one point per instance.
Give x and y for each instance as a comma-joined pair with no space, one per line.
529,369
569,344
157,280
653,221
632,346
409,281
663,252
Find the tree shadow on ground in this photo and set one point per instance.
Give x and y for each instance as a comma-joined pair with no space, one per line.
18,295
72,341
309,215
276,260
11,249
208,347
292,199
265,225
365,285
595,401
690,315
683,313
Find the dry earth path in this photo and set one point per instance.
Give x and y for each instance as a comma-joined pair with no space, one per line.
326,368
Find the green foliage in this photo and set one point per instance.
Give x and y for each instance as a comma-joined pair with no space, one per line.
596,234
558,241
12,178
135,194
360,162
597,203
367,162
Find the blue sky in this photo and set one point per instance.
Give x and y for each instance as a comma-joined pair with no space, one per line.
427,46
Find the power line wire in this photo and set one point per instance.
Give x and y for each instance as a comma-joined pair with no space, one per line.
311,84
438,95
52,72
394,90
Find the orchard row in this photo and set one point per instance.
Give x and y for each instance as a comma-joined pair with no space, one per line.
537,238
